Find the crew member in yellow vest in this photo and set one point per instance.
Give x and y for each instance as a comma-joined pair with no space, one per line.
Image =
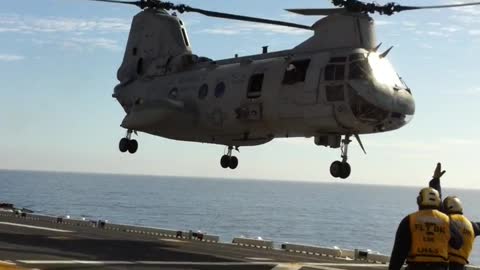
453,207
469,230
423,238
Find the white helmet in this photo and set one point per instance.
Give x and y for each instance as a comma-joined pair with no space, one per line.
453,205
428,197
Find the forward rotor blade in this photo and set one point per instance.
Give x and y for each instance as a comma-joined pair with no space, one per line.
317,11
403,8
244,18
137,3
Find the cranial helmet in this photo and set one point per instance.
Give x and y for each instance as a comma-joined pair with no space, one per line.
453,205
428,197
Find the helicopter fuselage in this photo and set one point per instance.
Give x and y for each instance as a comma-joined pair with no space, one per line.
252,100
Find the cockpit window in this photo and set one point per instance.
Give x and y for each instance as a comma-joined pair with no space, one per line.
356,56
339,59
359,70
383,71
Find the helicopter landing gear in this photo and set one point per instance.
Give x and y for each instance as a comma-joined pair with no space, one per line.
341,169
229,161
127,144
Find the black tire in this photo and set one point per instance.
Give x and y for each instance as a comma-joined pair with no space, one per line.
336,168
345,170
225,161
233,163
132,146
123,145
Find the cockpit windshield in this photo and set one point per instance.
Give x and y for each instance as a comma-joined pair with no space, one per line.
359,68
383,71
371,66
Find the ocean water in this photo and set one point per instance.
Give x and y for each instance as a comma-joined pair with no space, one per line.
324,214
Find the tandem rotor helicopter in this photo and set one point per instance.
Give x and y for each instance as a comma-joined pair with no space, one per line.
332,86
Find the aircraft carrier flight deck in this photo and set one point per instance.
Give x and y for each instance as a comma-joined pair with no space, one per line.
31,241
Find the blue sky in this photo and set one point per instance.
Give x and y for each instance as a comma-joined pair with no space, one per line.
58,63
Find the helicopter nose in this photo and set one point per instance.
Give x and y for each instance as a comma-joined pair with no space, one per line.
403,108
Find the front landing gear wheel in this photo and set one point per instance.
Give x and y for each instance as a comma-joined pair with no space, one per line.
340,169
336,168
345,170
132,146
123,145
225,161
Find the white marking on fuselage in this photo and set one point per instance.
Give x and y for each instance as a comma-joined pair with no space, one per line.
34,227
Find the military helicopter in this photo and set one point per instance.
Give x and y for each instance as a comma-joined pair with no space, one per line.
332,86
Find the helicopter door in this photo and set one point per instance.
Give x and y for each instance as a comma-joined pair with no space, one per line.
333,87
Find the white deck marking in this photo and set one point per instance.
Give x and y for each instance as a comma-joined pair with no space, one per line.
258,259
34,227
171,240
139,262
288,266
7,262
347,264
278,265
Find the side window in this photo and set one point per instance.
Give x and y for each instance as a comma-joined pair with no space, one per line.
220,90
255,86
296,71
335,72
203,91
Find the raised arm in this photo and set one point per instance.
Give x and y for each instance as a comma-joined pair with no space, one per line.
435,182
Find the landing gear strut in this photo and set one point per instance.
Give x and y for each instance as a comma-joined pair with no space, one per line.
127,144
341,168
229,161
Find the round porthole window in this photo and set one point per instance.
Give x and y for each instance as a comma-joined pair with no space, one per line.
203,91
173,93
220,90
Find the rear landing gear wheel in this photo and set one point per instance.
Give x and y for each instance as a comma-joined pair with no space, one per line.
229,161
233,163
127,144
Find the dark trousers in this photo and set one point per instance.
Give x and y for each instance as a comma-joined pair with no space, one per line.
427,266
456,266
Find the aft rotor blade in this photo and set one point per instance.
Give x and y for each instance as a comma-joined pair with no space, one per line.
317,11
244,18
403,8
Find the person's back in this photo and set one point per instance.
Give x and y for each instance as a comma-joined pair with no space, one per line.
423,238
459,257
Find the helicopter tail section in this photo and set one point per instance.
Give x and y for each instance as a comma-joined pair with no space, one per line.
341,31
155,38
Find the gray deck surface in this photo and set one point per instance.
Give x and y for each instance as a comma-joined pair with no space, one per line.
95,248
